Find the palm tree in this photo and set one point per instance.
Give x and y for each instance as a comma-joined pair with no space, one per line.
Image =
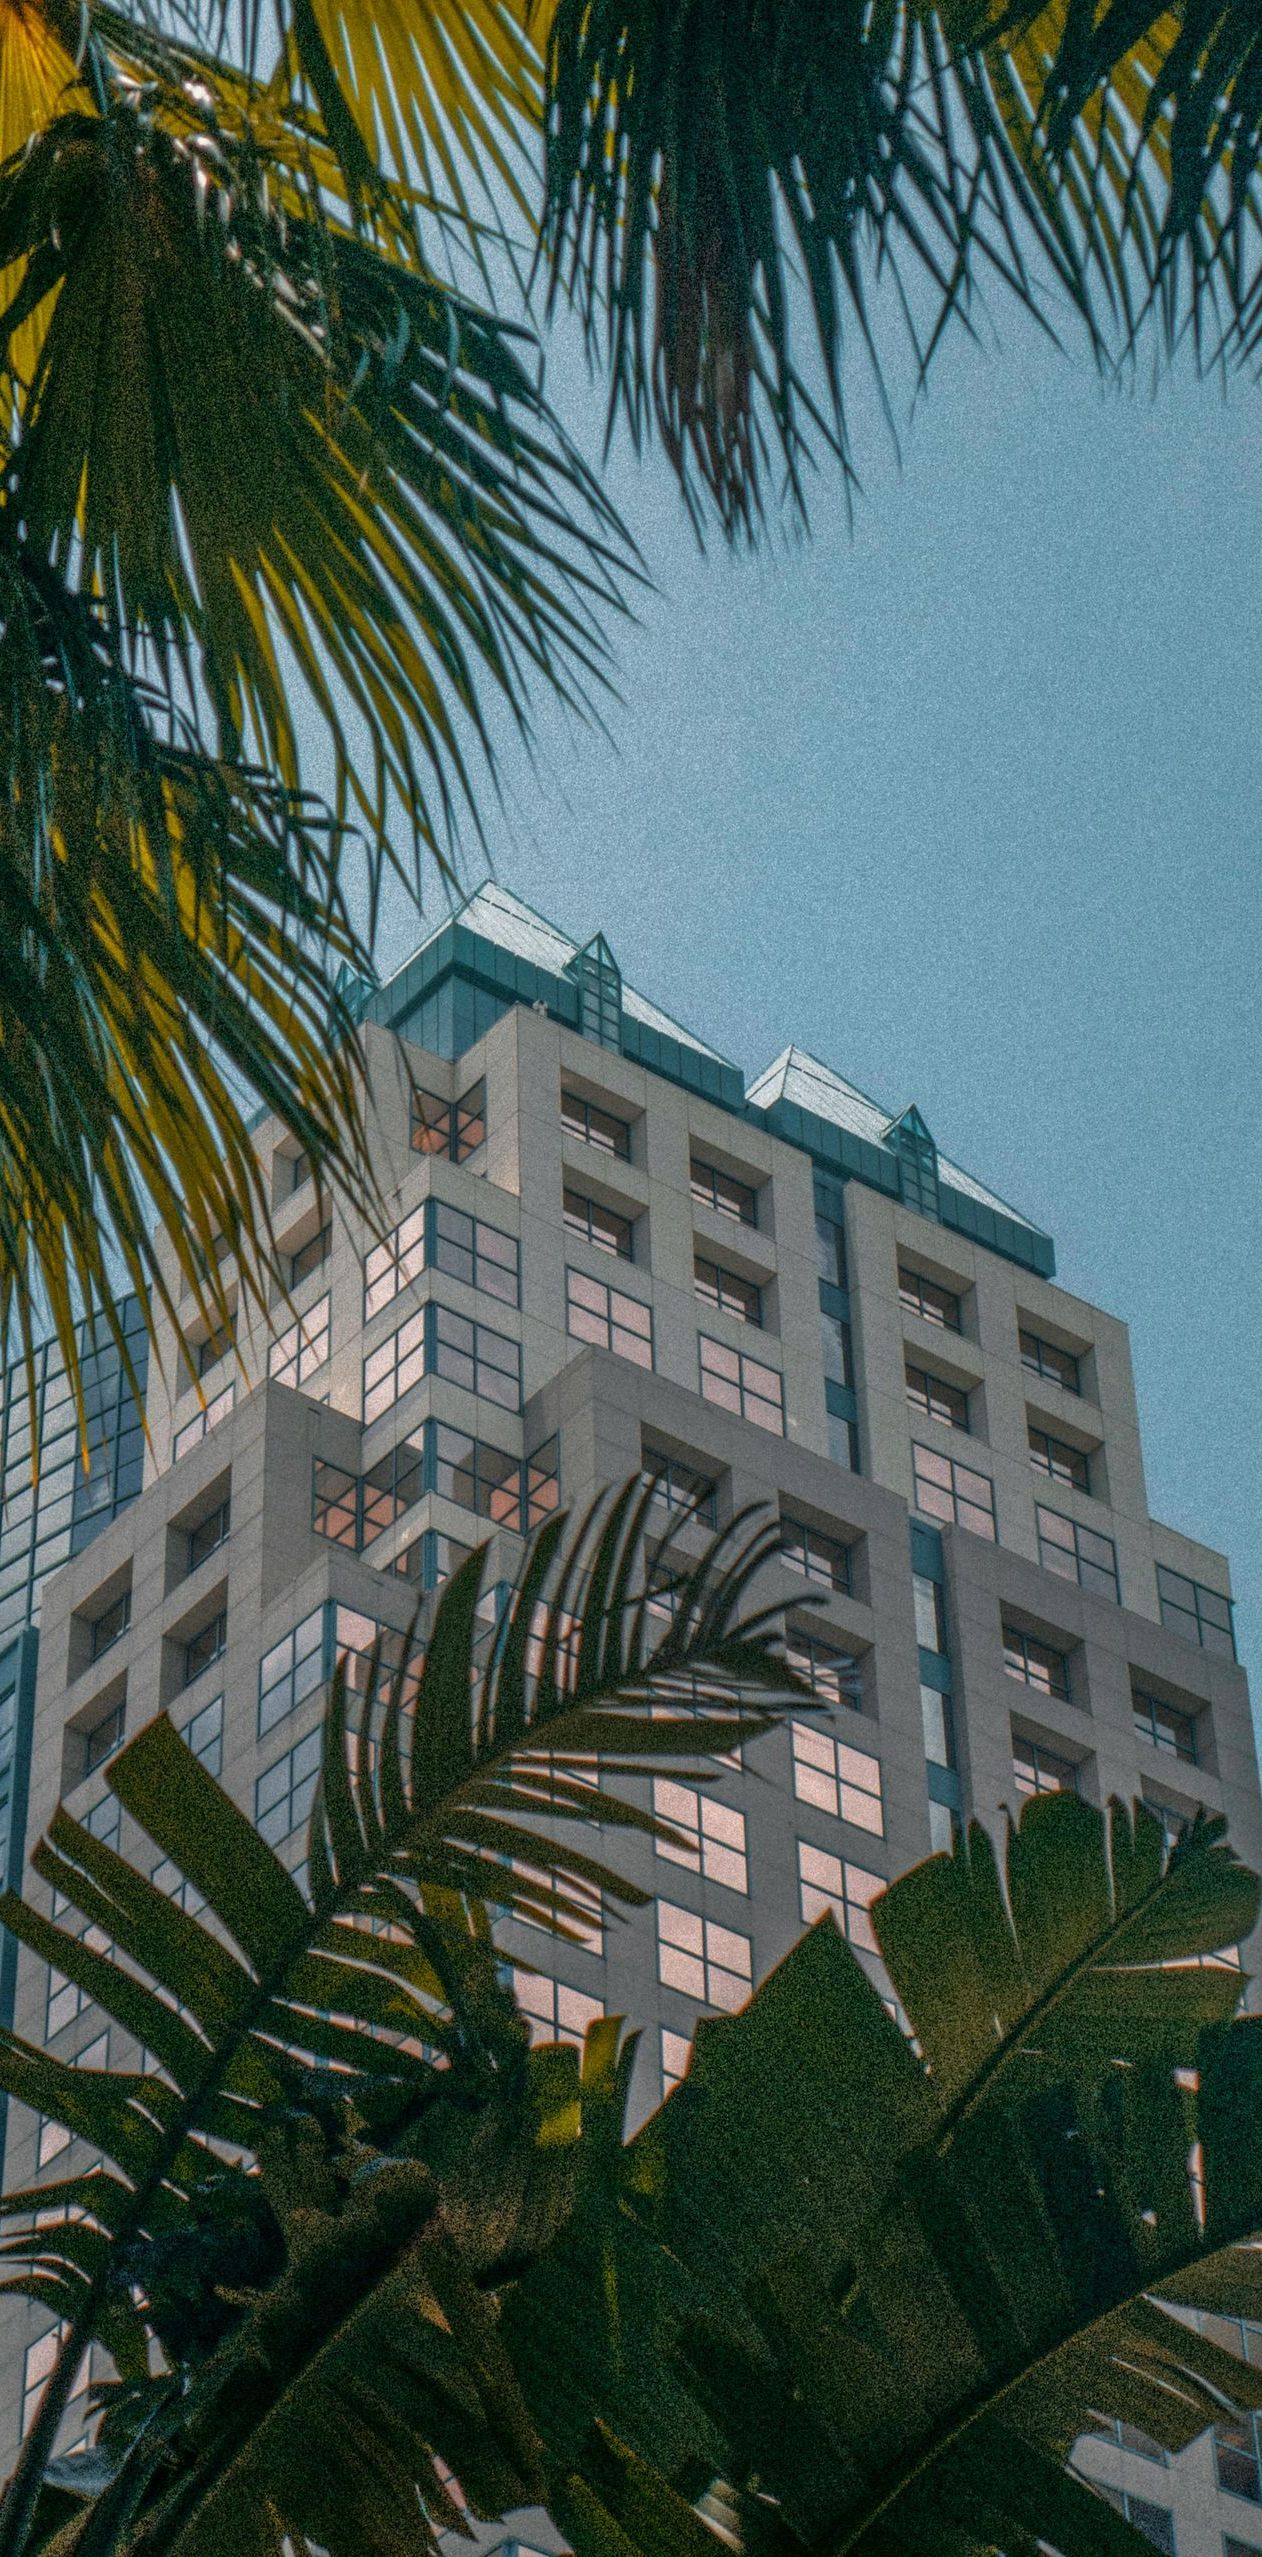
283,499
361,2255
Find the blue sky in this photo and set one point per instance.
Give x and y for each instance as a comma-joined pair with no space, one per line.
966,801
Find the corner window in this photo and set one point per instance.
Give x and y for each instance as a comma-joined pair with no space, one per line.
1202,1614
1042,1358
1077,1553
216,1345
723,1192
194,1431
291,1671
936,1400
285,1791
203,1734
302,1348
923,1296
1059,1461
600,1226
596,1126
454,1129
744,1385
958,1493
727,1293
1037,1664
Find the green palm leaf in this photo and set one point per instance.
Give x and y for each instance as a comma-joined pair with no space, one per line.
876,2289
423,1804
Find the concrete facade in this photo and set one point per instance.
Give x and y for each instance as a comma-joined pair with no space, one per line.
950,1440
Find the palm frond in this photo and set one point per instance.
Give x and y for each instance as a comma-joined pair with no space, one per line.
277,450
170,924
385,1967
876,2288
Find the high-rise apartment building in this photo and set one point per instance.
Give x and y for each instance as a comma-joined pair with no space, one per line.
608,1253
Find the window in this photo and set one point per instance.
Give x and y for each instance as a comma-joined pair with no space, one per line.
937,1400
1187,1607
682,1489
478,1254
1164,1726
1129,2437
110,1626
452,1128
831,1674
1038,1663
208,1535
944,1827
600,1226
702,1959
830,1250
36,2368
207,1353
208,1644
203,1734
836,1349
1154,2522
713,1841
293,1171
723,1192
285,1791
843,1439
553,2012
394,1367
1042,1358
828,1883
938,1726
1237,2447
924,1297
310,1255
493,1485
930,1613
480,1360
844,1782
676,2055
195,1430
1077,1553
297,1352
945,1489
393,1263
601,1128
594,1312
550,1912
726,1293
291,1671
102,1737
1038,1769
1058,1460
743,1385
813,1555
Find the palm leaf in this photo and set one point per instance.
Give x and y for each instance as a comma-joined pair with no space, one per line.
876,2290
170,924
233,2006
272,446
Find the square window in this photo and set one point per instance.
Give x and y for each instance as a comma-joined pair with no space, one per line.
1059,1461
924,1296
1164,1726
603,1227
701,1959
712,1836
608,1318
958,1493
1042,1358
1036,1768
1037,1663
837,1779
931,1396
723,1192
740,1384
596,1126
813,1555
828,1883
727,1293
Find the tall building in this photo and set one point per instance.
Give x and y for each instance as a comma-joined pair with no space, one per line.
609,1253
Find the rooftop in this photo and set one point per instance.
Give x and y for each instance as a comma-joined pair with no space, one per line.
496,951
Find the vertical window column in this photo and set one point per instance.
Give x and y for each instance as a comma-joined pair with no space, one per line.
941,1765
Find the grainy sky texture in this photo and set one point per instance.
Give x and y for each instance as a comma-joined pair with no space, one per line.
967,801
